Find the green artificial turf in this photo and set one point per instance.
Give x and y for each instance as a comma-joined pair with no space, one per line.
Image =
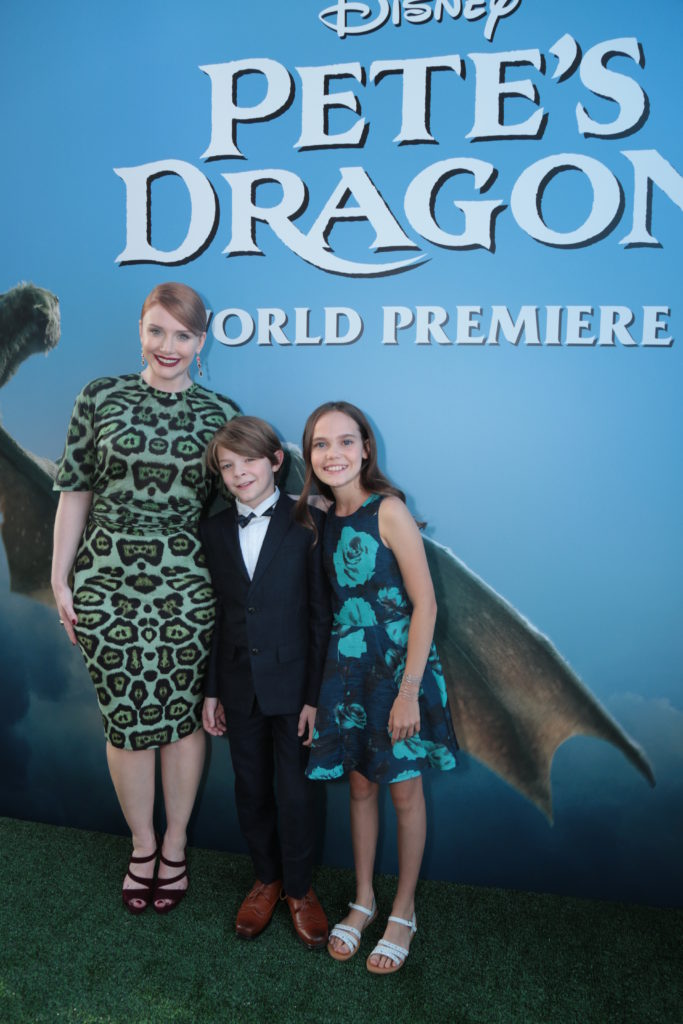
71,953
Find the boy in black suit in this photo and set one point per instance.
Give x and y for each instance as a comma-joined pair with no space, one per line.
267,657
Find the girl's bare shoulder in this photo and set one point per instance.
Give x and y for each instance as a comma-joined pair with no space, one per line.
393,509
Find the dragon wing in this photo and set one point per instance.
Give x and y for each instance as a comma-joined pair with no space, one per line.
28,505
513,698
29,323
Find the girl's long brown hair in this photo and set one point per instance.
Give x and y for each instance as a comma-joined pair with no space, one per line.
372,479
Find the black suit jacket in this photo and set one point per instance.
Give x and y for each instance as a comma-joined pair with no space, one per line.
271,633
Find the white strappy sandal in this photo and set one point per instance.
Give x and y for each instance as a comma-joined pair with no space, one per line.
397,954
349,935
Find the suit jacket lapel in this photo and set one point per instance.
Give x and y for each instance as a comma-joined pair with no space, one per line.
279,524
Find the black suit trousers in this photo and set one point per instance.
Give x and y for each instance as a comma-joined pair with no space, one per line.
268,758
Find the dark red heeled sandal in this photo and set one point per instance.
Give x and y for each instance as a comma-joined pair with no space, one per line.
161,892
146,892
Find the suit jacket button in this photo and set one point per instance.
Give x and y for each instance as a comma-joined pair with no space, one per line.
251,610
254,650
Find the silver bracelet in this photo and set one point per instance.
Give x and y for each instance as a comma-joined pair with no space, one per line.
410,687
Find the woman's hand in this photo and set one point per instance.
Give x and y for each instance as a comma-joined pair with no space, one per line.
65,606
404,719
213,716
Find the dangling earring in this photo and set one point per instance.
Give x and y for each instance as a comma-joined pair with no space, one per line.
199,366
142,357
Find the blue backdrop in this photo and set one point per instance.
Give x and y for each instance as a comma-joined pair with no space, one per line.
547,458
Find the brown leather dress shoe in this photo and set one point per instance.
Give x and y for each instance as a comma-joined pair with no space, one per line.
257,909
310,923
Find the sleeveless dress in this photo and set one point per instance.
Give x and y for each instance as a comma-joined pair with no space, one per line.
365,663
141,587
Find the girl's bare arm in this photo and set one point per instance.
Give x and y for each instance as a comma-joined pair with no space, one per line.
399,531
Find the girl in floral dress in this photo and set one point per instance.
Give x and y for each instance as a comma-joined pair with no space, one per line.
382,712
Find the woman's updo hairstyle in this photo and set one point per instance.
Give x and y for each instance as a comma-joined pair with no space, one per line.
181,302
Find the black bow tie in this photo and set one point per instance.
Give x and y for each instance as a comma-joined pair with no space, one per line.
245,520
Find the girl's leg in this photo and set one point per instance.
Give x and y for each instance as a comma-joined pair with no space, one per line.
132,772
364,827
411,817
181,771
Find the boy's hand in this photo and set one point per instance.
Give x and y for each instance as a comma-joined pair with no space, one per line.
213,716
404,719
306,723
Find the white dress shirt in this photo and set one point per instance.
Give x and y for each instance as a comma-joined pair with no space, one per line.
252,535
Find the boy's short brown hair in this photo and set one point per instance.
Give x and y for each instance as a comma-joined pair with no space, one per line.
244,435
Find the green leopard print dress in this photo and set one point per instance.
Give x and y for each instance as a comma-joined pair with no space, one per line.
141,587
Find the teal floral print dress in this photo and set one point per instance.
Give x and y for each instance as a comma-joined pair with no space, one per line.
365,663
141,586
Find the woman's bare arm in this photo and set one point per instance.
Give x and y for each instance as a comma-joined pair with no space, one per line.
72,515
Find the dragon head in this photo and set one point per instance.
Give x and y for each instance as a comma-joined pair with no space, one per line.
29,322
